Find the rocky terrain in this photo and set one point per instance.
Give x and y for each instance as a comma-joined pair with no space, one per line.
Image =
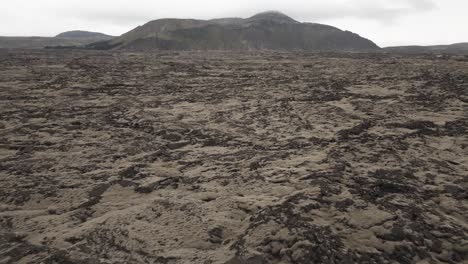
231,158
263,31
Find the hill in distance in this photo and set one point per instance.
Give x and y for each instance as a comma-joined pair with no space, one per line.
80,34
265,31
457,48
69,38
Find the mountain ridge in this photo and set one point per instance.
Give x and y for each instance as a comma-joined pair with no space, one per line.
455,48
68,38
271,30
82,34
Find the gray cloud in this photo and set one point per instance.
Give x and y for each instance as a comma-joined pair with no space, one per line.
122,12
379,11
121,16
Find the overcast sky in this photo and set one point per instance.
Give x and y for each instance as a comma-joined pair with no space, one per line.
386,22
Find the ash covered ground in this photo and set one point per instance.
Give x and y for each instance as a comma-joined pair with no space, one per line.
231,158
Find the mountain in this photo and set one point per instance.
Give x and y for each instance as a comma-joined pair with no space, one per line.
79,34
457,48
275,16
264,31
70,38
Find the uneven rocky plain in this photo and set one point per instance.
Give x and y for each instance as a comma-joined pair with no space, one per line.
231,158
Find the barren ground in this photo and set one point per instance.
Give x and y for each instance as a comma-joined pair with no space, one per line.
232,158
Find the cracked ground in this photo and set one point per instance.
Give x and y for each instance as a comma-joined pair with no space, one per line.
233,158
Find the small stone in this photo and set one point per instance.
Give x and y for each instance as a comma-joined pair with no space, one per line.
53,210
208,196
285,251
282,179
14,236
445,256
155,183
462,249
177,145
173,137
298,254
276,247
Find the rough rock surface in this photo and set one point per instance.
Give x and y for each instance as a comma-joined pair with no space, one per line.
232,158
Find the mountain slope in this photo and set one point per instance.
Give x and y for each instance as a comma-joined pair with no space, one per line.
69,38
268,30
457,48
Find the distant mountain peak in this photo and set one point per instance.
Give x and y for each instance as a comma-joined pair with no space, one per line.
270,30
272,13
74,38
457,48
273,16
82,34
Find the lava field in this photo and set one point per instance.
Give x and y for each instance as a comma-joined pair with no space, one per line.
233,157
